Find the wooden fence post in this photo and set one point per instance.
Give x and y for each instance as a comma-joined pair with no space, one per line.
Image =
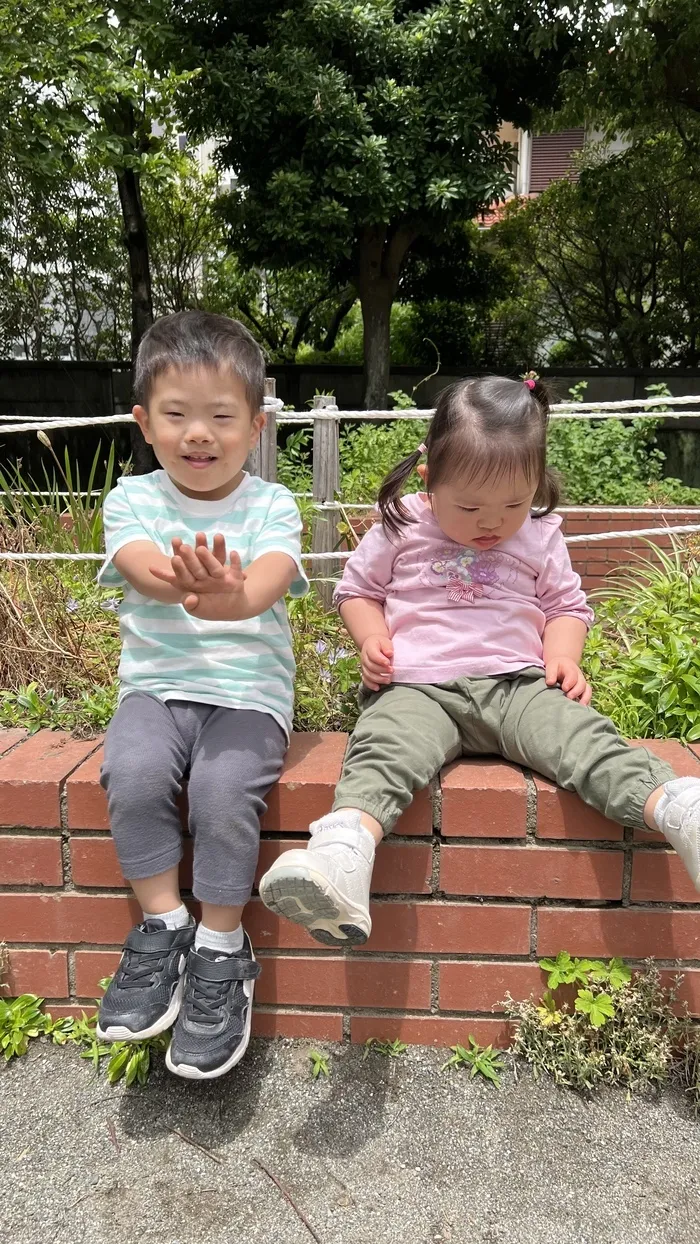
326,476
263,460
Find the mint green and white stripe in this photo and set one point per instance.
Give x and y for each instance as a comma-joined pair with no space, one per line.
168,653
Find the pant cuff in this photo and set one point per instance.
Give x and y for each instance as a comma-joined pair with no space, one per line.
387,814
220,896
139,870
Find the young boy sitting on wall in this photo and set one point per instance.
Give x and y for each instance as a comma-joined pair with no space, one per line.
205,554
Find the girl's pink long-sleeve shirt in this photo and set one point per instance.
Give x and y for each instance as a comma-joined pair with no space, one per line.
455,612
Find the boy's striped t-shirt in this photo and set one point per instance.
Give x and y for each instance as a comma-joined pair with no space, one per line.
174,656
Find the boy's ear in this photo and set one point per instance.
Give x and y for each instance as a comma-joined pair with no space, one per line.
422,470
141,416
256,427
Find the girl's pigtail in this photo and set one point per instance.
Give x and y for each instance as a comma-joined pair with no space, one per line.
394,514
548,495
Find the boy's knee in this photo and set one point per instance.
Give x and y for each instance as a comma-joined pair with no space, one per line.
139,779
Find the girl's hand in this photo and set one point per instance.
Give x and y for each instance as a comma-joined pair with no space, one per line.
377,661
566,673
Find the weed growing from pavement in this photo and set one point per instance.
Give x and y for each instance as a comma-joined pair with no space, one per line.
22,1020
319,1064
4,965
481,1061
388,1049
599,1023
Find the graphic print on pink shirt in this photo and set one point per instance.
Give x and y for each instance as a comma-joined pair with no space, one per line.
467,574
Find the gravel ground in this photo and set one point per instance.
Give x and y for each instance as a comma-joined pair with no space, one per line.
383,1152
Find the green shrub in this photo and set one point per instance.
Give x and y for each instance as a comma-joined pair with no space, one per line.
599,1023
642,656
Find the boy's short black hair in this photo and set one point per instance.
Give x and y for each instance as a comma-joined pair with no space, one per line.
199,339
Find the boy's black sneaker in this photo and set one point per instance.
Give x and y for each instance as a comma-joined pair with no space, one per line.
145,993
213,1028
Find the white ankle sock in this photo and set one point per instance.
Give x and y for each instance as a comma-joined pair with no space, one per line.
227,943
178,918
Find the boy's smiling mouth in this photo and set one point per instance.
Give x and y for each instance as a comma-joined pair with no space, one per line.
199,460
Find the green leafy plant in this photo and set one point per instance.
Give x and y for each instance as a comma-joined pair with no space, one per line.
388,1049
21,1020
481,1060
62,514
642,655
619,1027
319,1064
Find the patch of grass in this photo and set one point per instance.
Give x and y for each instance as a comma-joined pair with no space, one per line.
319,1064
481,1061
599,1023
388,1049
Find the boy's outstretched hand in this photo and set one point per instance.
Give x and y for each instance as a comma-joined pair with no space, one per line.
211,589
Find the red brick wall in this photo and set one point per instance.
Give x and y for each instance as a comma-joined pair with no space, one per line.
595,560
490,870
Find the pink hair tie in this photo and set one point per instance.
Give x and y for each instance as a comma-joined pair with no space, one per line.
530,383
422,449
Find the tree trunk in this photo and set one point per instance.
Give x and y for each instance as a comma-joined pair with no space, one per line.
382,251
376,300
136,241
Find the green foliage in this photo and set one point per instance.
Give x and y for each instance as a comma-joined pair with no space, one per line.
379,125
388,1049
616,255
369,452
624,1028
21,1020
640,70
642,655
34,708
328,668
63,524
481,1061
319,1064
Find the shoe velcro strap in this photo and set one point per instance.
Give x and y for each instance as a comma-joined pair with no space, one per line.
229,969
337,835
159,941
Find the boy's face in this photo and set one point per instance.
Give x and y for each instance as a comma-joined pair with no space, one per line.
201,428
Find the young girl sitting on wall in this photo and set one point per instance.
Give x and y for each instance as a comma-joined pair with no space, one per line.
471,623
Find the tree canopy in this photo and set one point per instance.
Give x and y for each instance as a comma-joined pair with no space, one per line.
356,129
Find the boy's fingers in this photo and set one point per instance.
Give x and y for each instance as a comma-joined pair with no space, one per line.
235,561
190,560
191,602
200,540
210,563
219,548
166,576
182,573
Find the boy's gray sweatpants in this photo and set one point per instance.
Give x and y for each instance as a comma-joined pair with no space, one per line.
230,757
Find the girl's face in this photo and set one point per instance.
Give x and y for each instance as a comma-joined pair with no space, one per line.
482,515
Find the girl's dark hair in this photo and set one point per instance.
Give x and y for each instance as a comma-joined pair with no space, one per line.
199,339
481,430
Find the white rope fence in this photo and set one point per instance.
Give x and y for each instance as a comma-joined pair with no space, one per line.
637,408
633,408
342,555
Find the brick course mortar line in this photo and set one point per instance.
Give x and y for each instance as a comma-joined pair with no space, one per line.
440,897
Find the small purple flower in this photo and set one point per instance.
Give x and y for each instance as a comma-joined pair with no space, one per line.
338,655
73,606
111,604
320,646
